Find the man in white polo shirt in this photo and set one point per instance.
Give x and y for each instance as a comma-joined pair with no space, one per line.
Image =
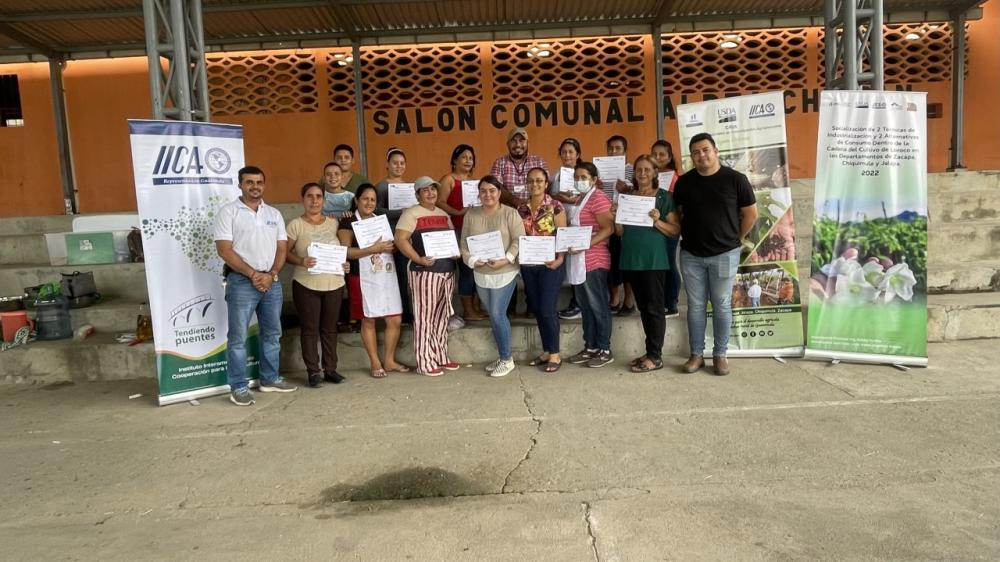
250,238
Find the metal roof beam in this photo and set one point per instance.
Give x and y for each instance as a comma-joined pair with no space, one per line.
30,42
137,13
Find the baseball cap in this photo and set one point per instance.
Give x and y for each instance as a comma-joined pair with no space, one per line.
517,131
424,182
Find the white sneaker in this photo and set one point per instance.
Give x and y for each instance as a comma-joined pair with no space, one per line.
504,367
489,368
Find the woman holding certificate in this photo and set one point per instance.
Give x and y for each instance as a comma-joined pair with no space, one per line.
317,297
663,153
489,245
542,274
588,269
386,309
451,199
425,235
644,255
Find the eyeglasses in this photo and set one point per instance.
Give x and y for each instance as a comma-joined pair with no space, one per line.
536,180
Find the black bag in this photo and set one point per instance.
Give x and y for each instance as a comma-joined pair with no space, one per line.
78,284
135,246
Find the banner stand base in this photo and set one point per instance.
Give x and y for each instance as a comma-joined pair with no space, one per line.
872,358
771,353
199,393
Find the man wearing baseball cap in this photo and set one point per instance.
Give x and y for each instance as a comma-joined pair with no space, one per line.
512,168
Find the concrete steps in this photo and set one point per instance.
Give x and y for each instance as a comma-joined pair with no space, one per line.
99,357
24,248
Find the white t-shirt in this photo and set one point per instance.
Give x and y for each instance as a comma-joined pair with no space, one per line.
754,291
254,236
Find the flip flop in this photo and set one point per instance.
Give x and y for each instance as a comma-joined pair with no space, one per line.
552,367
642,368
401,368
378,373
538,361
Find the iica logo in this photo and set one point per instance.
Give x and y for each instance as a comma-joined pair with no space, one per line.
761,110
182,164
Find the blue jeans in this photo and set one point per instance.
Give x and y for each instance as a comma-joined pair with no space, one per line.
592,295
242,301
496,301
755,302
707,279
541,288
672,287
466,280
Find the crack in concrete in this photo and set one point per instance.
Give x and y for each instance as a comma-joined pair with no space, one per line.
588,520
526,397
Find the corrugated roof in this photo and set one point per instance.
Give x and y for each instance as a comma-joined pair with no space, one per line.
73,26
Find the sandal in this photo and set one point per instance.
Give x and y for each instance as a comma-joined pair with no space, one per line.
378,373
638,361
552,367
401,368
538,361
645,367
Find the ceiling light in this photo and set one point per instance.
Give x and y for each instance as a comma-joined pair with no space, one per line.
544,53
732,36
912,36
729,44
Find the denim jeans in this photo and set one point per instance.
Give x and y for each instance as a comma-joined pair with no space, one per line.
707,279
496,301
672,287
541,288
466,280
592,296
242,300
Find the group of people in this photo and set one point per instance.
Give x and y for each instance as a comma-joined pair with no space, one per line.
626,266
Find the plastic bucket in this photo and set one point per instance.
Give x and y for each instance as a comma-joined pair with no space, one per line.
11,322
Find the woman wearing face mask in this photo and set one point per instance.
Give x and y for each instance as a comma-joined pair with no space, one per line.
338,202
542,215
495,277
317,297
570,155
644,262
663,155
395,166
463,161
587,270
367,202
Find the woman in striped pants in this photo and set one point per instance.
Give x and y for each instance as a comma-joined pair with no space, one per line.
432,281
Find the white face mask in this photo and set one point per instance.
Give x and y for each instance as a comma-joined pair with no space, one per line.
583,186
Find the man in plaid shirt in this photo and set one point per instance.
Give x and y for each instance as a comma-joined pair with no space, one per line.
512,168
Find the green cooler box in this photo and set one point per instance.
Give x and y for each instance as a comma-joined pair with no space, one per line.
88,248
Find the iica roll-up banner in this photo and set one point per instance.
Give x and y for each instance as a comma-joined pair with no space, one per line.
749,132
868,285
184,172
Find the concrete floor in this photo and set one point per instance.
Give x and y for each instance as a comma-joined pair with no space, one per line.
797,461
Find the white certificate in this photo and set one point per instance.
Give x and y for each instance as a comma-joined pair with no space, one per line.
401,196
536,250
610,168
634,210
370,231
470,193
487,246
330,258
573,237
440,244
566,180
664,179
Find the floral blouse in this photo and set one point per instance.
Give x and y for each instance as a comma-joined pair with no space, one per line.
543,222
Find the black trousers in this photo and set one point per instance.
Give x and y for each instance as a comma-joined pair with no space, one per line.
647,286
318,312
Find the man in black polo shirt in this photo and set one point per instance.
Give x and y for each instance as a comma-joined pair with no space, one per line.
716,208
